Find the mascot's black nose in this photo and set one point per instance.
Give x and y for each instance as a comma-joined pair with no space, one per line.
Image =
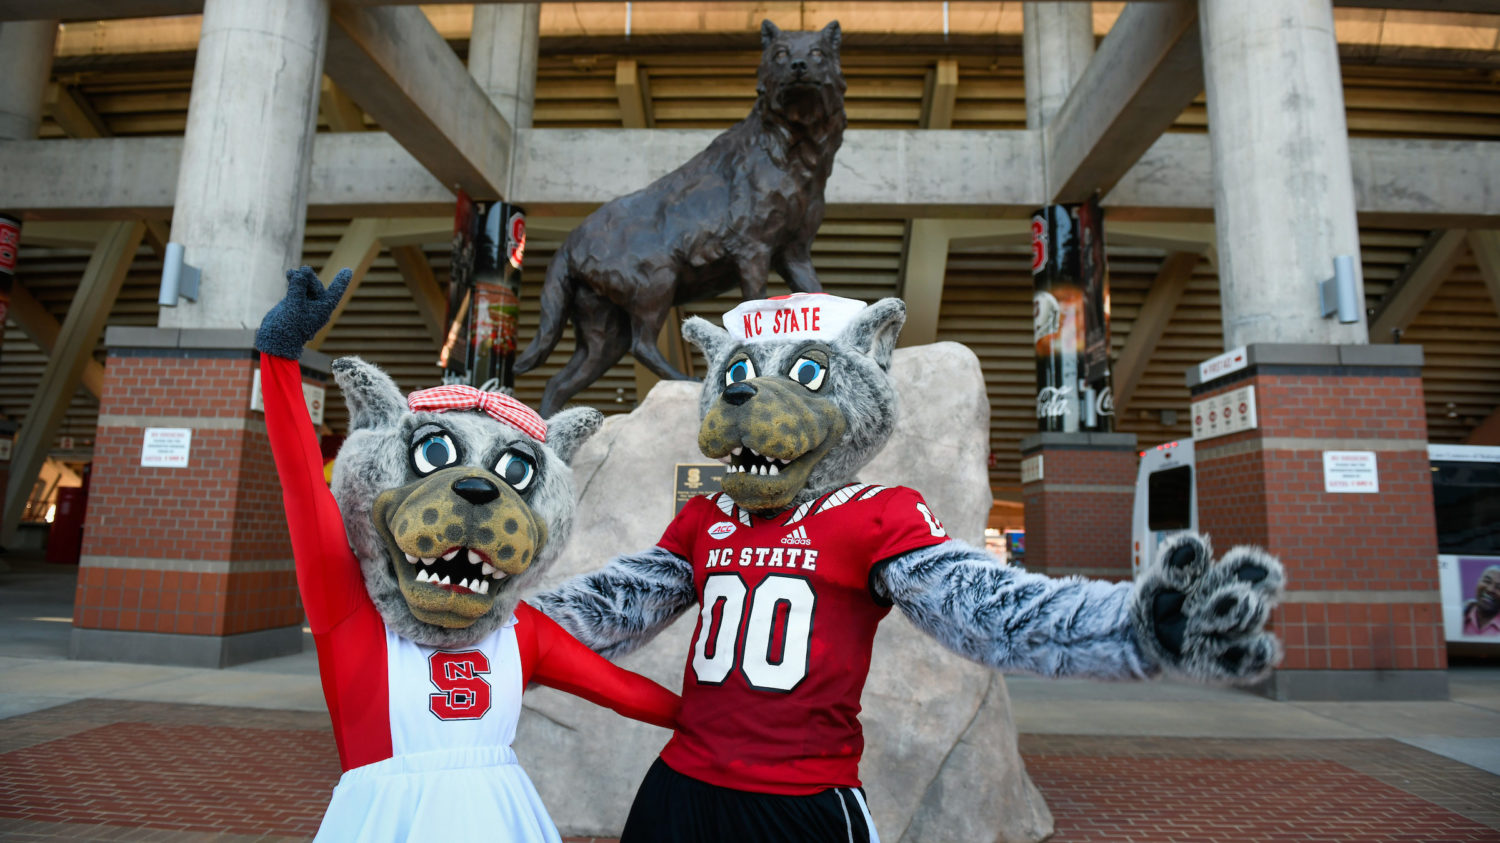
800,66
739,393
476,490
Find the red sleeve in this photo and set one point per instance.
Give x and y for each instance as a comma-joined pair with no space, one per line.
678,539
560,661
327,571
906,523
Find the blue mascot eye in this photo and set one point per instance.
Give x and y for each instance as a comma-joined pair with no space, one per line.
808,372
433,452
516,470
740,370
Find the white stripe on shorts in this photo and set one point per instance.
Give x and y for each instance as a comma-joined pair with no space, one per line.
865,809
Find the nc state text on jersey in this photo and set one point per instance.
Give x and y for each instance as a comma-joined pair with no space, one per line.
764,557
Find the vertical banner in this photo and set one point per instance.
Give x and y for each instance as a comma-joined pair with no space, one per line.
484,297
1070,319
10,246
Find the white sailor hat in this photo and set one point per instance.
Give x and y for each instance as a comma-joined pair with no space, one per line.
799,316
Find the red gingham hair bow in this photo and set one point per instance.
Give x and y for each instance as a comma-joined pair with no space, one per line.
500,407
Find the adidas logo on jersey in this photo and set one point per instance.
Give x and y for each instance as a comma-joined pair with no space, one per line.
797,536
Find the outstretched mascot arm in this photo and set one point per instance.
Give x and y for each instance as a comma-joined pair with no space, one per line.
1186,614
562,662
622,606
327,572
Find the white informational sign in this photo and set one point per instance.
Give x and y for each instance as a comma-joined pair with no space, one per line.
1231,412
166,447
1031,469
1230,361
1350,472
315,396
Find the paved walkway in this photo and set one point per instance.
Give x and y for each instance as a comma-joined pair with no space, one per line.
94,751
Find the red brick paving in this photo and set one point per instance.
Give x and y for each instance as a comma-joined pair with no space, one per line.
188,778
1180,799
103,770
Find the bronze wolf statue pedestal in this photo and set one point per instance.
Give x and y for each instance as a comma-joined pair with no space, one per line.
749,203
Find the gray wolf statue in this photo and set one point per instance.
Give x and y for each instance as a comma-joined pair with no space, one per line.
445,503
792,566
749,203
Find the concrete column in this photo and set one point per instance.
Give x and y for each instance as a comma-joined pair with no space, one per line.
26,65
26,49
242,185
1057,41
1283,189
502,57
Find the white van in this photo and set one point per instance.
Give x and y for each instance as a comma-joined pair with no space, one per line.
1166,499
1466,499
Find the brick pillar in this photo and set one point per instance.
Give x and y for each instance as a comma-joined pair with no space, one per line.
186,565
1079,489
1362,618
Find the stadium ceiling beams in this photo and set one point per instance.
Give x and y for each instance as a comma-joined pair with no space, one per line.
73,351
1145,72
1486,248
1411,291
925,265
395,66
1161,302
44,331
634,96
416,273
879,174
114,9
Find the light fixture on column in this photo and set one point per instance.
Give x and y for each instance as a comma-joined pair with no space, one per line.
177,278
1340,294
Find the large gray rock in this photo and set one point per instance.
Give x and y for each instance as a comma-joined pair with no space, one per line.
940,761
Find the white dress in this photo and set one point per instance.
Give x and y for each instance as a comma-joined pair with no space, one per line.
453,778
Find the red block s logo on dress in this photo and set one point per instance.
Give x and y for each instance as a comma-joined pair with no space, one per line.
465,692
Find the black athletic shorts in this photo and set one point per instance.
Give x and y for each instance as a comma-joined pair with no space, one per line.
673,808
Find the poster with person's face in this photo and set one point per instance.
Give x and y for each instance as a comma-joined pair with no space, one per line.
1479,584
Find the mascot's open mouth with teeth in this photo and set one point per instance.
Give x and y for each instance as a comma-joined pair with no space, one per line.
772,432
457,534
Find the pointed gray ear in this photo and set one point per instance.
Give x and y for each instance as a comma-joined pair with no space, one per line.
371,395
875,329
768,33
569,429
710,338
833,35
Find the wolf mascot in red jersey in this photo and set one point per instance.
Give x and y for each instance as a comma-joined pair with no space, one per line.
794,564
445,503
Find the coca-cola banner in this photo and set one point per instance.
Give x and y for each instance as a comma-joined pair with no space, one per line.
1070,319
484,304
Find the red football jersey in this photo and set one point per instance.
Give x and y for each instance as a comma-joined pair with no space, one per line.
770,696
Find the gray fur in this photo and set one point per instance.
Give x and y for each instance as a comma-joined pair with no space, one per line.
622,606
375,458
567,430
1223,610
858,384
373,399
1012,620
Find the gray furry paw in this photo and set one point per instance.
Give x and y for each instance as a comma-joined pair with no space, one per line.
299,316
1205,619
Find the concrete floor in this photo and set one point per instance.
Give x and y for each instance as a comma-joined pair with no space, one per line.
36,674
